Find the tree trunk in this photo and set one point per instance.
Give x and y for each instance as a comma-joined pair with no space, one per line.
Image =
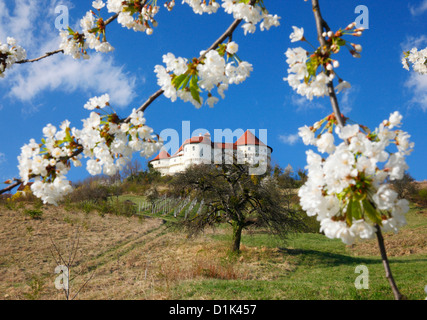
237,236
388,274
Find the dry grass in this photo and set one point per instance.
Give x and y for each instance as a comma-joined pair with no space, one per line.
26,259
408,241
130,258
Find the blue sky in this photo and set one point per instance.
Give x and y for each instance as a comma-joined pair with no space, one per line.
56,88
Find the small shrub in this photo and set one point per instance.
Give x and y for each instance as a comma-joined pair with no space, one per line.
86,206
89,193
405,187
33,213
36,285
421,197
126,208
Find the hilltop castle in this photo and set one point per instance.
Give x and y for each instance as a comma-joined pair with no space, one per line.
202,150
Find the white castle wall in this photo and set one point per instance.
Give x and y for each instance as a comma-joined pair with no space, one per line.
199,153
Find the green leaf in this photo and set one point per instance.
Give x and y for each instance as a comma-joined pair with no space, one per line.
185,82
94,30
312,67
356,210
341,42
177,81
194,89
372,213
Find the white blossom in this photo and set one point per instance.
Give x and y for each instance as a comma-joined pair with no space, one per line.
297,35
352,181
10,53
417,59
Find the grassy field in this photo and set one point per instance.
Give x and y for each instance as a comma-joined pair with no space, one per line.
141,258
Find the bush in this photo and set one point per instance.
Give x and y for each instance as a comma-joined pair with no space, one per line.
94,193
33,213
406,187
421,197
116,207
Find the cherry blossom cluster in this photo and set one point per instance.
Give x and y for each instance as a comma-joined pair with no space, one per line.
106,140
251,14
201,7
10,53
304,75
92,36
49,162
185,80
135,14
348,190
132,14
417,59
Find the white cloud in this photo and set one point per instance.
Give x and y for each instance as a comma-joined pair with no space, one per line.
418,9
289,139
417,83
414,42
346,100
98,75
303,104
101,74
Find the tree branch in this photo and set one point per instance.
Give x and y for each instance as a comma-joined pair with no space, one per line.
11,187
322,26
151,99
48,54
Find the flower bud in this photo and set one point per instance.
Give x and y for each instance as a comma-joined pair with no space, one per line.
351,26
357,47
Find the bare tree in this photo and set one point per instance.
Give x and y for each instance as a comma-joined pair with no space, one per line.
233,196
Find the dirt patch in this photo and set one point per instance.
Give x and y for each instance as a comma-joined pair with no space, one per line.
406,242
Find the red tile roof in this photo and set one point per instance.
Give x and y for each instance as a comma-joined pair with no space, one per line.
222,145
162,155
248,138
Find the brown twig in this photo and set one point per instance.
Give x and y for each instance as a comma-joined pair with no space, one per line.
322,26
48,54
12,186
